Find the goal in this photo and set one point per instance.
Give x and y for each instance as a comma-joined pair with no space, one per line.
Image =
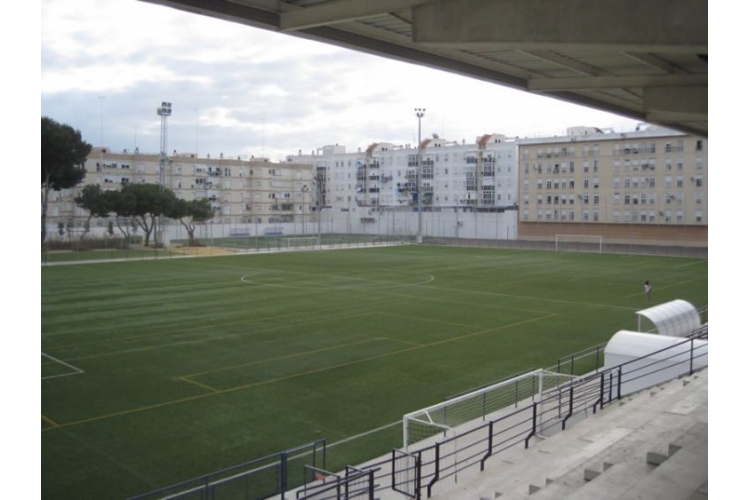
301,242
578,243
472,409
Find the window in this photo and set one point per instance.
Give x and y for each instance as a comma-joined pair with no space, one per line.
596,199
668,147
586,183
699,216
585,199
679,182
699,145
699,163
698,181
698,198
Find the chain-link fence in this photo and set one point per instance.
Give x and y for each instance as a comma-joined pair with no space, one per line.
358,226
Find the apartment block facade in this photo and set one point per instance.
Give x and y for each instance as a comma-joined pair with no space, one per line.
480,175
649,185
240,190
645,186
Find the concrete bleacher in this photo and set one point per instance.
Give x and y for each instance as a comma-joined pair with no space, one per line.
651,445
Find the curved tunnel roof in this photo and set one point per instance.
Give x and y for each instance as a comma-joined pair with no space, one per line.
677,318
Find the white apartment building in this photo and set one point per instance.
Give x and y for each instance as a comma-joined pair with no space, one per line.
483,174
646,186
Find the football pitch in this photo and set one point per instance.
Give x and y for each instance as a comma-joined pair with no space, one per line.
154,372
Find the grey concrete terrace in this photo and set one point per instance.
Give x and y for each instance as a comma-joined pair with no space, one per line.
653,444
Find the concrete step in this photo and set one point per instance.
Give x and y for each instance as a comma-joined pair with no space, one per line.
616,438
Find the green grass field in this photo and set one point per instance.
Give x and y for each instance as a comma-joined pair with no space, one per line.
193,365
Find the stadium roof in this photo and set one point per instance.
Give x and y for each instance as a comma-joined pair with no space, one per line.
643,59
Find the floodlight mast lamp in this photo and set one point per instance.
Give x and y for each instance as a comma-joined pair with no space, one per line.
164,111
420,113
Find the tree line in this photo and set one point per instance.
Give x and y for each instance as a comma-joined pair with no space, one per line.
64,154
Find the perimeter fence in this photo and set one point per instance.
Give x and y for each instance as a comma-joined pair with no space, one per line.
355,227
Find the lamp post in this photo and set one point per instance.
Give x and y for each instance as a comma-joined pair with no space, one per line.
304,221
318,207
420,113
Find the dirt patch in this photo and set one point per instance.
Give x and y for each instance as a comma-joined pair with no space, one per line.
202,251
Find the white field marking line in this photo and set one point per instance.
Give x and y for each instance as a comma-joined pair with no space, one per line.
428,320
672,285
50,421
281,358
110,458
472,304
220,337
324,277
363,434
535,299
691,264
198,328
76,370
281,379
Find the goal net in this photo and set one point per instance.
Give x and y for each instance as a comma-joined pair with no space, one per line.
472,409
301,242
578,243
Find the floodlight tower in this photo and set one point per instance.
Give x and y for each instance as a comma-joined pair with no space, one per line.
420,113
164,111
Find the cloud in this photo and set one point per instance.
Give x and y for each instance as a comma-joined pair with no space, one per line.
107,64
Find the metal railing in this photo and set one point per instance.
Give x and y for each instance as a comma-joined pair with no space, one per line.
416,473
264,477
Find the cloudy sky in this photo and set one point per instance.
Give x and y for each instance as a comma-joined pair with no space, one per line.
107,64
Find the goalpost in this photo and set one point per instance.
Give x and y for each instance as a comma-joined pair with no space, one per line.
301,242
579,243
474,408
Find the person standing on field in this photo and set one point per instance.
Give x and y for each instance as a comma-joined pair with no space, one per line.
647,290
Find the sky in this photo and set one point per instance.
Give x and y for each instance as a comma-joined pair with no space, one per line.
106,65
